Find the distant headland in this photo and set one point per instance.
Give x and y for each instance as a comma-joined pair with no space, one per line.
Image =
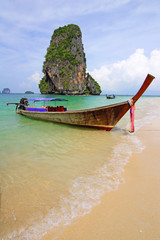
6,91
29,92
64,67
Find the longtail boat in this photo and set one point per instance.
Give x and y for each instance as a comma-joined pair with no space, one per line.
110,96
105,117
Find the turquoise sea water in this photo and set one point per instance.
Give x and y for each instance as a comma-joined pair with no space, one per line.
51,174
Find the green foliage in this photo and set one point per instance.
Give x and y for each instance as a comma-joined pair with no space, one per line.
71,67
43,85
87,92
29,92
62,73
71,29
96,83
61,45
66,83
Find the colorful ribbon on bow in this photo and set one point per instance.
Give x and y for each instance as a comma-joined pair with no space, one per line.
132,111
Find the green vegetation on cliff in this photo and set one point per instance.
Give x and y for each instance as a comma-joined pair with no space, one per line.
44,86
64,67
61,50
71,29
96,84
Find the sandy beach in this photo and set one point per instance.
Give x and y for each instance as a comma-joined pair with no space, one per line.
133,211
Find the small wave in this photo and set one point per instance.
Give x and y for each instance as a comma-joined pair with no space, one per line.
85,193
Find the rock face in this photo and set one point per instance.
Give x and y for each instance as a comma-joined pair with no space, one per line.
6,91
64,67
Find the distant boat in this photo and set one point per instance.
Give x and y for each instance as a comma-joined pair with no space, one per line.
110,96
105,117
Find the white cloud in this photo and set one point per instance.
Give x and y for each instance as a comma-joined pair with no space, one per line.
25,85
31,82
127,75
35,78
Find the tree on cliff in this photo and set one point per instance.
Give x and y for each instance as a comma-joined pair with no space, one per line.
64,67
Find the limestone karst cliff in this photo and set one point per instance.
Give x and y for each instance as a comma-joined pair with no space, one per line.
64,67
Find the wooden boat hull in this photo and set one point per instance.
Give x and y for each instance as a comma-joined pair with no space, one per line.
104,117
101,118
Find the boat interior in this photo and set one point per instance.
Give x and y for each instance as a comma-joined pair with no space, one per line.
47,109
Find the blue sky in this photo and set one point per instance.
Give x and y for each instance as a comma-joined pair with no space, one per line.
121,41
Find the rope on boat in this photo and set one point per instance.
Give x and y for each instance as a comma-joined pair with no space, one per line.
132,112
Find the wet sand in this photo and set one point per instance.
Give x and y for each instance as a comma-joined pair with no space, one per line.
133,211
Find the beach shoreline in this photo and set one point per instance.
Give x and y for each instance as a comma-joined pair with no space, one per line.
109,190
131,212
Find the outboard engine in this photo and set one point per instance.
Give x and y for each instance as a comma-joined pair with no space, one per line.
23,103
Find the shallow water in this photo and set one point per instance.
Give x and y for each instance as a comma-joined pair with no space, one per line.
50,173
